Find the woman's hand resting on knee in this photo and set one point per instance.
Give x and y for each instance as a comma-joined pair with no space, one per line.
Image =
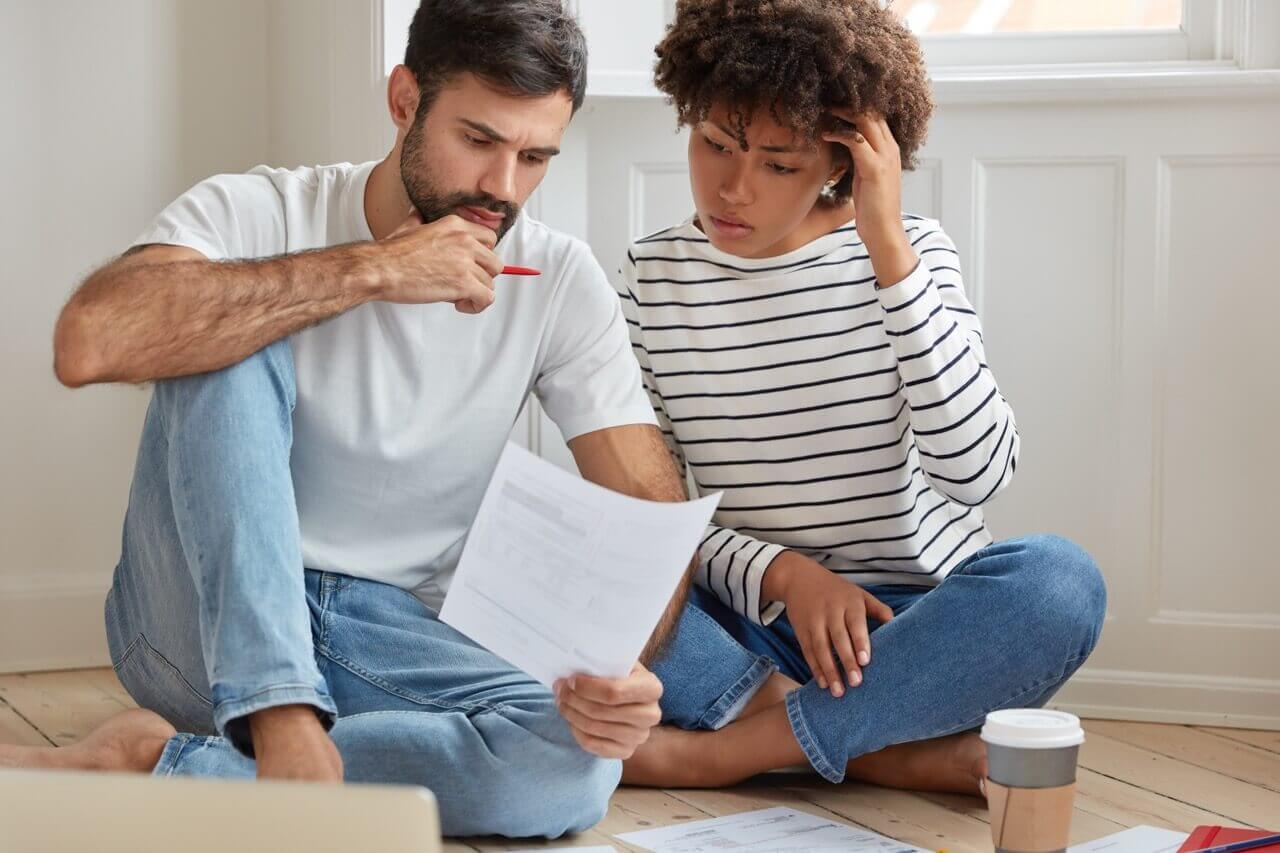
610,717
827,612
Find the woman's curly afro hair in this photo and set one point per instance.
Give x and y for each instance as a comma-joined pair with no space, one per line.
798,59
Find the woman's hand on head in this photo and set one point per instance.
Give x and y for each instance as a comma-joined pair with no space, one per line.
877,191
877,169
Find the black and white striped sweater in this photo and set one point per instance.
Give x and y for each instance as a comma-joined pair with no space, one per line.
858,425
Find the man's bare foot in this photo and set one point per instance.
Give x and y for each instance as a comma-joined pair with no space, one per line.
956,764
130,741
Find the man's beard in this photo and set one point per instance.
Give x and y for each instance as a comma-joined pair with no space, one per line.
432,202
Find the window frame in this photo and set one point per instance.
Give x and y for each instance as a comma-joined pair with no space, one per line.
1218,40
1198,39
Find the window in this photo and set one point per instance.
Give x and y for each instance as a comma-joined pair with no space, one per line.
1037,16
1046,32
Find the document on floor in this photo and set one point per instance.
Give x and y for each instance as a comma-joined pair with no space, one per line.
560,576
1138,839
778,830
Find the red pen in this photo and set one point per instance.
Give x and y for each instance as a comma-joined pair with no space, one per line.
520,271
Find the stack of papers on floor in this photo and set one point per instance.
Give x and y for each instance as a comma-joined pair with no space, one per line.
780,829
785,830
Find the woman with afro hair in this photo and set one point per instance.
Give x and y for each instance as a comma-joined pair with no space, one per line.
811,354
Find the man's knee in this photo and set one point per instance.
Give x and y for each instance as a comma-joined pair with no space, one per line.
585,797
267,374
564,793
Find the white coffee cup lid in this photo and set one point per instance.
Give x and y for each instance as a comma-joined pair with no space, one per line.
1032,728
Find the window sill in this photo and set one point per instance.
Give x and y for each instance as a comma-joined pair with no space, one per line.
1037,84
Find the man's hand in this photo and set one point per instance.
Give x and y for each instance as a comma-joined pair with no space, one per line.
826,612
449,260
877,192
611,717
290,743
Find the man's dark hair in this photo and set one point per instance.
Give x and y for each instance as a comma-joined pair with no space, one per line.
522,47
797,59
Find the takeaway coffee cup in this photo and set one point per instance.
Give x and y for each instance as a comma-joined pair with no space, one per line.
1031,779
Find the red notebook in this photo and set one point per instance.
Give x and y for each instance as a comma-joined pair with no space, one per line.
1215,836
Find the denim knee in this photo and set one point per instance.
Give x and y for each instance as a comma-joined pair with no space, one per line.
568,794
590,792
1071,592
707,676
266,374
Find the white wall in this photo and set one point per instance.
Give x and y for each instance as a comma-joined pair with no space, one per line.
108,110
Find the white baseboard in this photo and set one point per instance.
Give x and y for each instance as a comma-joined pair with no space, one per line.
53,624
1203,700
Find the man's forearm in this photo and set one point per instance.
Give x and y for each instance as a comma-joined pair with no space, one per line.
145,321
666,627
635,460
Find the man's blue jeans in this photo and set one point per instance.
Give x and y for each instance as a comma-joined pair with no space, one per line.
1005,630
212,617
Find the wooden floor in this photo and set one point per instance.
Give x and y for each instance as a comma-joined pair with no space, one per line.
1131,773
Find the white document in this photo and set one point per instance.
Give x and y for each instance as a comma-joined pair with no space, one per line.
778,830
560,576
1139,839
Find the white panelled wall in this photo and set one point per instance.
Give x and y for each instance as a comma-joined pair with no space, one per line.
1117,240
1116,235
1121,258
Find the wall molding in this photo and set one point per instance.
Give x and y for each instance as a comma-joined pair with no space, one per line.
1150,697
933,167
1160,344
1214,619
1040,85
639,172
53,622
975,281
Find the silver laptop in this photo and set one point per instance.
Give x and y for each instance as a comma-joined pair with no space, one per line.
47,811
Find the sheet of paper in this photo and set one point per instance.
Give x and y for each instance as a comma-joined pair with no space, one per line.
1138,839
560,576
779,830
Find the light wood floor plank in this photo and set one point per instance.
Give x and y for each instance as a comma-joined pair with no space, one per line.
62,705
1134,806
1085,825
1262,739
17,731
1131,773
897,814
1239,801
106,681
730,801
592,838
1230,758
633,809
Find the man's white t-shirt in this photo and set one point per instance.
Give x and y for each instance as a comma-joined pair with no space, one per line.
403,410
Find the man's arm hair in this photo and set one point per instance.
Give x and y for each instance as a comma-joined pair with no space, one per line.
162,311
634,460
